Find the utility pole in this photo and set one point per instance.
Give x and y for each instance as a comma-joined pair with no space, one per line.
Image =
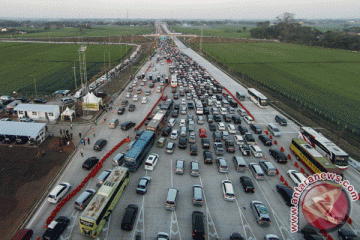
109,60
201,39
82,63
35,86
75,76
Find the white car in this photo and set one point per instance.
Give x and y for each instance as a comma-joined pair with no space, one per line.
151,161
249,120
223,111
231,128
210,102
58,192
256,151
182,122
239,140
135,98
296,176
228,190
128,95
221,126
174,134
172,122
144,100
218,104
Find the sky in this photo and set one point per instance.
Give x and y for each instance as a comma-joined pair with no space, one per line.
184,9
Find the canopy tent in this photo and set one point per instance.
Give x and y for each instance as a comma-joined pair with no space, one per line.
91,102
68,113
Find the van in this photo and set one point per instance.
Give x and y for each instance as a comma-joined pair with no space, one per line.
274,130
268,167
23,234
198,229
260,212
161,142
225,103
83,200
127,222
58,192
151,161
257,171
239,163
67,100
240,96
113,123
228,190
127,125
118,159
281,120
171,199
195,169
102,177
198,197
233,103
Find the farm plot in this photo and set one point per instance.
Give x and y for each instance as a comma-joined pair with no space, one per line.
325,80
50,65
221,31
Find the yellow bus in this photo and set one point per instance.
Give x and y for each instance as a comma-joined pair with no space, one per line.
97,213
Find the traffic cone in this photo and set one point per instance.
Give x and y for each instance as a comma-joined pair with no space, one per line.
296,164
271,137
282,178
264,157
302,170
275,142
282,149
289,156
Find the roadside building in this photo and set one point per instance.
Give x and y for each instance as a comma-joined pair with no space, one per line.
38,112
35,132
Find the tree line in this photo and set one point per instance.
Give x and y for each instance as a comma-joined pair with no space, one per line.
286,29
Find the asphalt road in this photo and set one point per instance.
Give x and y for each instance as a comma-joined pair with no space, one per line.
222,218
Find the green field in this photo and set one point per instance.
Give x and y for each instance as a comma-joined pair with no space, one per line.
221,31
95,31
326,80
51,65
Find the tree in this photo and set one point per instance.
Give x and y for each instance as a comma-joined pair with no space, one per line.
286,21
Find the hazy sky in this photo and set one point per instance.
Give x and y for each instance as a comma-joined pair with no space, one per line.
184,9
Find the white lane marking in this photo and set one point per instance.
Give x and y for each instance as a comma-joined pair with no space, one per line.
140,220
174,222
171,176
74,215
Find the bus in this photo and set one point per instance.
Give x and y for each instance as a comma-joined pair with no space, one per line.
173,81
167,106
157,122
312,159
98,212
199,109
327,148
258,98
137,153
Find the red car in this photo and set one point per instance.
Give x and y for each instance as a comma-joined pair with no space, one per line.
202,133
164,97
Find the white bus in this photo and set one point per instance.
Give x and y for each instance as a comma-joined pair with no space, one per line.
174,80
327,148
258,98
199,109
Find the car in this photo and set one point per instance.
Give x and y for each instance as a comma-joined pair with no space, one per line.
84,199
200,120
56,228
23,99
210,118
127,125
249,138
215,111
205,143
208,157
256,129
193,150
174,134
182,142
230,146
58,192
183,110
249,120
192,137
236,236
219,148
217,137
164,97
268,167
132,107
228,190
190,118
286,193
124,103
183,101
256,151
148,92
225,135
195,168
39,100
90,163
151,161
139,91
245,150
217,118
231,128
222,165
242,112
212,127
191,126
260,212
144,100
227,118
296,176
239,140
163,236
121,110
223,111
170,147
310,234
166,131
171,122
26,119
127,222
206,111
278,155
236,119
242,130
271,237
247,184
175,113
102,177
143,185
202,133
100,144
221,126
179,166
182,122
135,98
265,140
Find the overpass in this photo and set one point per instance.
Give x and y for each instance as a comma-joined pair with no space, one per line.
170,35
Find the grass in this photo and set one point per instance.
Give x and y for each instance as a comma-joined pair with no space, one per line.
51,65
221,31
326,80
95,31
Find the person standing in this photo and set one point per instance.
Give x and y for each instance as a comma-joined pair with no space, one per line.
82,141
88,140
81,152
60,131
79,134
70,126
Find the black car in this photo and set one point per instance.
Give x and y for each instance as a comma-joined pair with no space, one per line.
166,131
175,113
256,129
227,118
208,158
265,140
9,138
230,146
242,129
245,150
206,111
217,118
176,96
236,119
127,125
190,105
129,217
212,127
177,106
236,236
286,193
100,94
132,107
22,140
193,150
210,118
345,234
56,228
23,99
182,142
311,234
39,100
100,144
278,155
249,138
247,184
217,137
90,163
205,143
121,110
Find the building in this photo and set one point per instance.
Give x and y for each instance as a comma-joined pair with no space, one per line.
35,132
38,111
